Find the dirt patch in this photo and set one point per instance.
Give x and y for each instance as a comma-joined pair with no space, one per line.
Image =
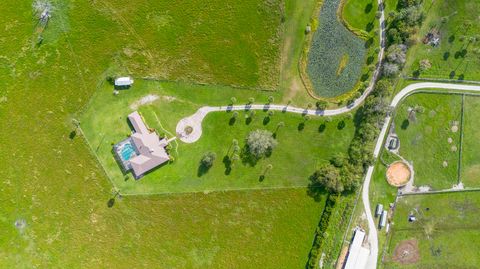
398,174
147,99
407,252
341,259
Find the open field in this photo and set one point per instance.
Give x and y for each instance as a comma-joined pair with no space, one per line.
458,54
323,60
428,126
470,175
446,231
104,123
219,42
55,197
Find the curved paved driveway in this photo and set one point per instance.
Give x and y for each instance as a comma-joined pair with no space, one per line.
196,119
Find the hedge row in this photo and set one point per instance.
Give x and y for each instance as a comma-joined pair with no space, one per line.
320,232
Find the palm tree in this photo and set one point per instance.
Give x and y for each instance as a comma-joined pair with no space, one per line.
233,100
267,168
234,158
279,125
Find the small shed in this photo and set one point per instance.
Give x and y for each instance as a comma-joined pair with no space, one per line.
123,82
378,210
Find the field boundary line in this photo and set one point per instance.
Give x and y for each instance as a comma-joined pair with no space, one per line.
459,172
92,152
214,191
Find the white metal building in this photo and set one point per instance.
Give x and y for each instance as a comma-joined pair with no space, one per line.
357,254
123,81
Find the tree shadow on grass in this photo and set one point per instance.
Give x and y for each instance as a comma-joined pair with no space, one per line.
341,125
405,124
111,202
232,121
368,8
301,126
72,134
315,191
248,120
322,128
266,120
202,170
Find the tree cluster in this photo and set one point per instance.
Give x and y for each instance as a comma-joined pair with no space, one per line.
404,23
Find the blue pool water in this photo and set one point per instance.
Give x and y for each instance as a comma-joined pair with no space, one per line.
127,151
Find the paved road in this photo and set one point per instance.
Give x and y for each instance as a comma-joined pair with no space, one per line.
196,119
426,86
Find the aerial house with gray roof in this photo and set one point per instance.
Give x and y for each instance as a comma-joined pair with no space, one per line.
143,151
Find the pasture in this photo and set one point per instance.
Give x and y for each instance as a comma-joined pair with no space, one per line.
104,123
429,127
444,235
458,54
58,208
470,175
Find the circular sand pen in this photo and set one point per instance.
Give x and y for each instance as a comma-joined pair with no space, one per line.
398,174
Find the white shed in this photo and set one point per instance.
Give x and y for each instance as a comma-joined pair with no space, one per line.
123,81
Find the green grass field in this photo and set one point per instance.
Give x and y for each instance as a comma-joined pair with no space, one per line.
458,55
424,137
300,149
471,145
446,230
360,14
55,190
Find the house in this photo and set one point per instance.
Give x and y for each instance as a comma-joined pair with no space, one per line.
357,254
143,150
123,82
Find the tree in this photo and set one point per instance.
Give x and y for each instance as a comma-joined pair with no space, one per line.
425,65
328,177
271,99
279,125
251,100
233,100
235,114
390,70
321,105
208,159
271,113
260,143
397,54
309,105
252,113
235,157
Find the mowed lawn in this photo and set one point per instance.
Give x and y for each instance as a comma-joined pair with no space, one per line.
302,144
429,138
55,192
360,14
458,55
447,230
471,144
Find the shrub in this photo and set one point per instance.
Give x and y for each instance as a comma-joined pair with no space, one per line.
208,159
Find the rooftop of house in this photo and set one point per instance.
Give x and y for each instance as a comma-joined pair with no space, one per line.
151,149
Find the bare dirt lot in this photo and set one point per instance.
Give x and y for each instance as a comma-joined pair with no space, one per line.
398,174
407,252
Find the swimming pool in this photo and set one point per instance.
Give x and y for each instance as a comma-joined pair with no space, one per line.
127,151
